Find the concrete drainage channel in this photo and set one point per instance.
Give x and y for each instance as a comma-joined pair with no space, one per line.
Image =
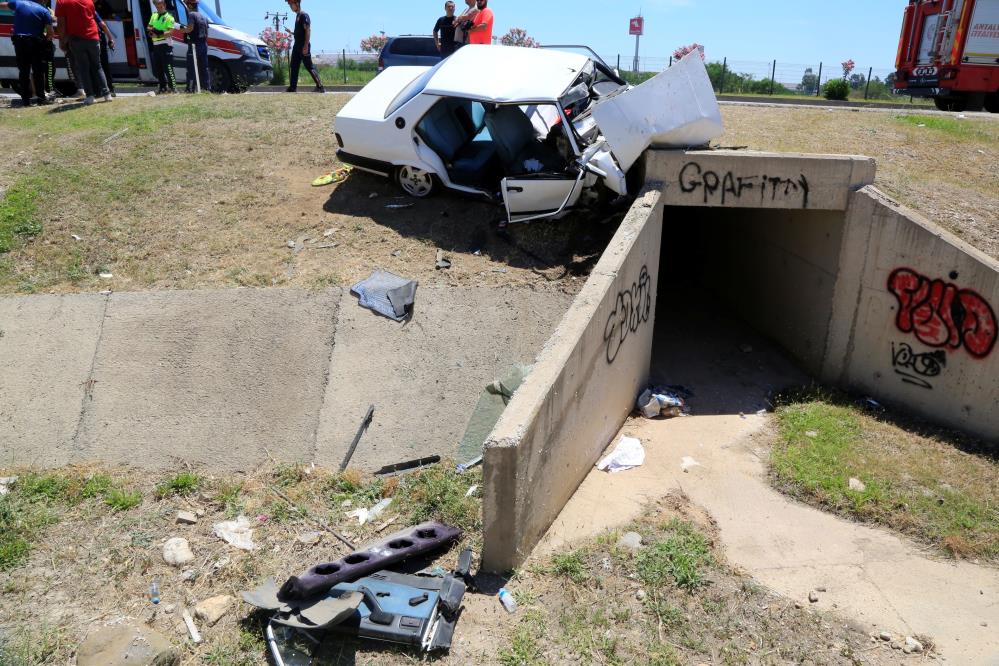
856,290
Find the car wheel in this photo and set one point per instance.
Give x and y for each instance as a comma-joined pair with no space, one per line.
221,78
992,103
415,182
955,104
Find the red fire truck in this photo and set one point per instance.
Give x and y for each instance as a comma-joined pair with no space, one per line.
949,50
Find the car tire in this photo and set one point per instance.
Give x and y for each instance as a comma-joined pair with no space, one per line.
953,104
221,78
416,182
992,103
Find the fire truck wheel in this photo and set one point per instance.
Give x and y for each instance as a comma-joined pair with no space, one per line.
955,104
992,103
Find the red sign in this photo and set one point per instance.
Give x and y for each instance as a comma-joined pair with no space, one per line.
636,26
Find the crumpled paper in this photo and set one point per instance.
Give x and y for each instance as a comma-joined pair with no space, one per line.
628,454
238,533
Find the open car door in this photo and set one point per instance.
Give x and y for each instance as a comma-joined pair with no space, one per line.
534,196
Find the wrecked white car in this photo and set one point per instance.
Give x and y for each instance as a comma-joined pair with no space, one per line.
544,131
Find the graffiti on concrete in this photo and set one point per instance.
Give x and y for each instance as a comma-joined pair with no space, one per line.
941,315
631,310
730,188
915,368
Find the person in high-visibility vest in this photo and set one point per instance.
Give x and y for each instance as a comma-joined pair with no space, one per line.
161,25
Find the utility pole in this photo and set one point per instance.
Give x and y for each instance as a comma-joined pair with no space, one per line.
278,18
218,8
636,27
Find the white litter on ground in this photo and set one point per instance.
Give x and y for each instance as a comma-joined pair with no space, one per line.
238,533
628,454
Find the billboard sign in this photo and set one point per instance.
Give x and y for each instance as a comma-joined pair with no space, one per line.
636,26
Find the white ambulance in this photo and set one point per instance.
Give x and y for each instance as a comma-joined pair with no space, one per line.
236,59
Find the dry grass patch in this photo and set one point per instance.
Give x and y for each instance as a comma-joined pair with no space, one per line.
936,486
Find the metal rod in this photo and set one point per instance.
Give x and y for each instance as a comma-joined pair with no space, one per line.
638,39
772,76
357,438
867,91
721,86
818,82
344,56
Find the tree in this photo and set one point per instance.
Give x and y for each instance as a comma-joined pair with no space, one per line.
374,43
809,82
519,37
858,81
684,50
279,43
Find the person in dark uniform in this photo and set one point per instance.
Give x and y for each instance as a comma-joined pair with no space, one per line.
301,51
444,31
196,32
31,20
107,42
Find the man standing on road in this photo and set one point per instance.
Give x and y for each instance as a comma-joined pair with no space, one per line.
77,27
463,22
197,36
481,31
301,51
160,27
444,31
30,23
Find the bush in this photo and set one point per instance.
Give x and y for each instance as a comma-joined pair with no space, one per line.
836,89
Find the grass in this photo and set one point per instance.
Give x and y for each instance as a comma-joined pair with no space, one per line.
679,556
19,214
525,644
952,127
570,565
926,483
184,483
36,501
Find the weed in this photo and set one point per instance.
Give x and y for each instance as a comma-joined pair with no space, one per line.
18,214
680,557
961,129
289,475
524,647
570,565
122,500
37,646
228,495
664,612
353,486
96,486
184,483
45,487
326,281
439,493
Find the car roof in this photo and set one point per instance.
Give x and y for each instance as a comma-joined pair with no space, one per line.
506,74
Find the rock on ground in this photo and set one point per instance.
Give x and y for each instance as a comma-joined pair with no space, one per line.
212,610
126,645
177,552
630,540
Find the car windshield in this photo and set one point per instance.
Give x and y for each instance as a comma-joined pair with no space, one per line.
204,9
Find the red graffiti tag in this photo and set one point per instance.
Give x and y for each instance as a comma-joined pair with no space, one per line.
942,315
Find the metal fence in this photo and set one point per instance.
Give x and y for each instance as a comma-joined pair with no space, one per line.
773,77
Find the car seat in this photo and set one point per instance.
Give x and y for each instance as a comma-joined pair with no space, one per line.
449,129
517,142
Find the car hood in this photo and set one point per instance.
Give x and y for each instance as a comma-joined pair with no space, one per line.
236,35
676,109
374,99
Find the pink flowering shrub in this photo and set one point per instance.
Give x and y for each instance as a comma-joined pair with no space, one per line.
848,67
519,37
684,50
374,43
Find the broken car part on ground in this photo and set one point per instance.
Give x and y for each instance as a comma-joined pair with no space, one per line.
543,131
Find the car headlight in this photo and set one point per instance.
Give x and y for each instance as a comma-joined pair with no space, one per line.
249,50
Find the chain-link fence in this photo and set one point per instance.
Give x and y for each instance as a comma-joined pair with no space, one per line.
755,77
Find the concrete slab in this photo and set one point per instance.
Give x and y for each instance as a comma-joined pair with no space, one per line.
47,346
210,378
425,376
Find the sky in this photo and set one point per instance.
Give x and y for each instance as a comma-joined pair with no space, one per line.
800,32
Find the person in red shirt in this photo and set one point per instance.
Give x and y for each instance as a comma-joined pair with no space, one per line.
481,31
78,35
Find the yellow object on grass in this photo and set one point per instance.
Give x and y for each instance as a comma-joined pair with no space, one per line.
337,176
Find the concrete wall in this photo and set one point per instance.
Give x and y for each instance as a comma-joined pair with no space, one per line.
766,229
583,386
915,317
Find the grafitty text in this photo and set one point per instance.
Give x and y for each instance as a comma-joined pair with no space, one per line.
916,368
730,188
631,310
942,315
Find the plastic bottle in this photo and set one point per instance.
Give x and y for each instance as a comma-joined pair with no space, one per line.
509,603
154,592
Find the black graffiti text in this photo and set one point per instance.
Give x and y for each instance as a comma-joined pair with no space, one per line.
730,188
631,309
916,368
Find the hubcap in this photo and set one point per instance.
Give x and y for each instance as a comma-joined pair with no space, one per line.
415,182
